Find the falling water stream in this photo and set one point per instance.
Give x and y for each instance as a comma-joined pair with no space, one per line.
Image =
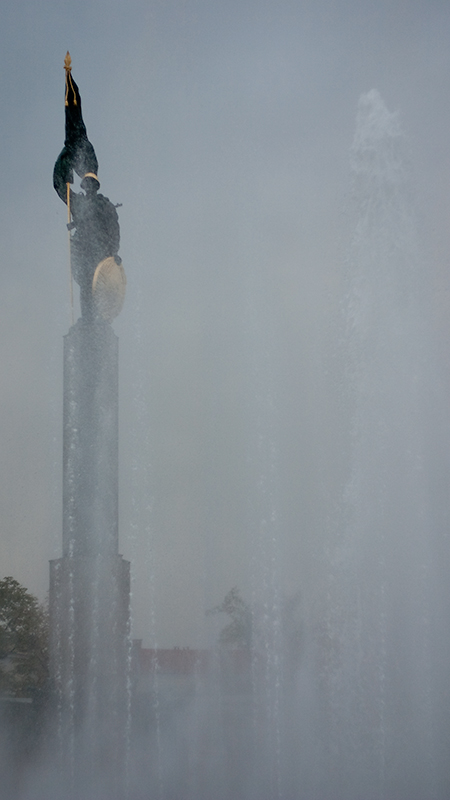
377,722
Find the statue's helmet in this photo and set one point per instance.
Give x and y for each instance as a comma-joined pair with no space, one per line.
90,181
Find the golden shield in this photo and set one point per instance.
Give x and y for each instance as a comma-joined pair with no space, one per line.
108,288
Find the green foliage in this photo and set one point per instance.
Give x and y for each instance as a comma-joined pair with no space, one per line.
24,635
238,633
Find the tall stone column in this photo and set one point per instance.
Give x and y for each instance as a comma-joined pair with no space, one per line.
90,444
90,584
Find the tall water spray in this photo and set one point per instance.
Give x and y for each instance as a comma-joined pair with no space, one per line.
358,719
377,715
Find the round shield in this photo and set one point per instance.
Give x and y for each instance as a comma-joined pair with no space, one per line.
108,288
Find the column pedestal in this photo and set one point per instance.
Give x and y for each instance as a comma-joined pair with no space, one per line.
90,584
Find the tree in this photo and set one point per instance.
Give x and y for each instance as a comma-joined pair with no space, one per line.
238,633
24,635
250,628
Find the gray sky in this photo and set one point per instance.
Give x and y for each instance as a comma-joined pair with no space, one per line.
225,130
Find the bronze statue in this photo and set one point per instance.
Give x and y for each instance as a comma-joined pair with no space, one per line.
95,221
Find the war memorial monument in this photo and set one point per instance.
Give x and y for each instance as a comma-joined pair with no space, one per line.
90,583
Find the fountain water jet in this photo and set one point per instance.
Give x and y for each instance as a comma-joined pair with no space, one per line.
377,717
366,728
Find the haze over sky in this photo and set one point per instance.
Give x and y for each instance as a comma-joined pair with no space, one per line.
224,129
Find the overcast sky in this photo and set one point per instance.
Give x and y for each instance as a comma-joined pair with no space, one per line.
224,129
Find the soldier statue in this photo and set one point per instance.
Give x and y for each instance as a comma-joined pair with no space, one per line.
94,218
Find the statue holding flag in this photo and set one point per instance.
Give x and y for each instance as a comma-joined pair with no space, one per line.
94,244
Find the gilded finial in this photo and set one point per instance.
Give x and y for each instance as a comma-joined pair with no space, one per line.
68,68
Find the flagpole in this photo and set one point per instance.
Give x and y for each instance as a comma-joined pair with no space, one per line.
70,253
68,69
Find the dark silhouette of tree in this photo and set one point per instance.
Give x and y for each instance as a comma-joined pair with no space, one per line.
248,627
238,632
24,635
